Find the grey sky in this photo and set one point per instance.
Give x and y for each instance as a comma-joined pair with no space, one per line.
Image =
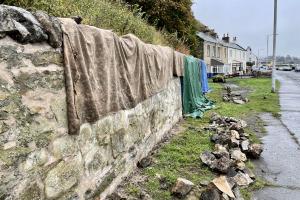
252,20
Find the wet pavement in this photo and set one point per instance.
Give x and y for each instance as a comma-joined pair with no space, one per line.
280,161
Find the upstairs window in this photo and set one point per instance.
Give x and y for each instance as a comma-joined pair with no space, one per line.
214,51
208,51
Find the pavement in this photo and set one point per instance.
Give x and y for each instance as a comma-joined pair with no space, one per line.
280,161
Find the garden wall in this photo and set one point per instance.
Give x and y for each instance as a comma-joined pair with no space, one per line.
39,159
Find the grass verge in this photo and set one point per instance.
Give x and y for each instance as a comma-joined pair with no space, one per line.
180,157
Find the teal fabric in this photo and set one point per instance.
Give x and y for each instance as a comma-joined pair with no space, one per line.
194,102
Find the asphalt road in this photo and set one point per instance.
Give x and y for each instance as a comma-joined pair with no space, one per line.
280,161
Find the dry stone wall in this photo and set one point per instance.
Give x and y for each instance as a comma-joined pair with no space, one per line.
39,160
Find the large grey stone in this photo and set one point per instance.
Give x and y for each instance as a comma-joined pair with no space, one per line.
207,158
221,165
242,179
51,26
245,145
237,155
20,25
63,177
211,194
255,150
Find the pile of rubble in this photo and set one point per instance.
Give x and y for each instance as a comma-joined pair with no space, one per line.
232,147
233,96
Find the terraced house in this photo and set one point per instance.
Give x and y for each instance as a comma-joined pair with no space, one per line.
222,56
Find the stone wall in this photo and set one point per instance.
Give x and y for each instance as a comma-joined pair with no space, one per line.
39,160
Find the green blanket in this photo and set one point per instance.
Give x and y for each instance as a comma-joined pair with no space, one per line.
194,102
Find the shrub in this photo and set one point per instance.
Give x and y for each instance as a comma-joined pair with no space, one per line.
114,15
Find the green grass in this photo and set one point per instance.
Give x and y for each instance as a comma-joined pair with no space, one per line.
260,96
180,157
258,184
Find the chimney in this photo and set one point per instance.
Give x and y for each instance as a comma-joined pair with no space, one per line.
226,38
234,40
213,34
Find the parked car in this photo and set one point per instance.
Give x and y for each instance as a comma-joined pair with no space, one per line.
261,68
297,68
284,67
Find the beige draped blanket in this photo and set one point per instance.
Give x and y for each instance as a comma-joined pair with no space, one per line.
105,73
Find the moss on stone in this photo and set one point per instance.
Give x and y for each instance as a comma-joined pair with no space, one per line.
31,192
61,178
11,156
12,58
105,183
49,80
3,127
46,58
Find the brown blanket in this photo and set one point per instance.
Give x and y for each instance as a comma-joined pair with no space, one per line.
106,73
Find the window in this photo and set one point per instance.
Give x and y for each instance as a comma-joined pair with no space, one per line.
218,52
208,51
214,51
215,69
230,53
225,52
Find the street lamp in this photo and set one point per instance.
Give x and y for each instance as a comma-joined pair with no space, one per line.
274,47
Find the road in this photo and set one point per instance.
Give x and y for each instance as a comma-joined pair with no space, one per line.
280,161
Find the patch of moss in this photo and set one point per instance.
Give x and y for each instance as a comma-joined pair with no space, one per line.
133,190
50,80
105,183
32,192
11,156
46,58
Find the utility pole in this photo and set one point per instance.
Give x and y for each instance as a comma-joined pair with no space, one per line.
258,56
274,47
268,36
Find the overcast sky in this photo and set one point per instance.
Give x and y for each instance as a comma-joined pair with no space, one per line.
252,20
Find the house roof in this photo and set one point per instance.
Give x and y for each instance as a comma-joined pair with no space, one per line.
233,46
209,38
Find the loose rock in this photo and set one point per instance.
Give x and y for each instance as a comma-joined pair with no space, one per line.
240,165
242,179
245,145
222,184
237,194
207,158
145,162
210,194
239,101
182,187
221,165
255,150
237,155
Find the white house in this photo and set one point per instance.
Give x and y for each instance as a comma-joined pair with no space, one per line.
222,56
237,55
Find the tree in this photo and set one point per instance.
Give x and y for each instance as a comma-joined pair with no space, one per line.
175,16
